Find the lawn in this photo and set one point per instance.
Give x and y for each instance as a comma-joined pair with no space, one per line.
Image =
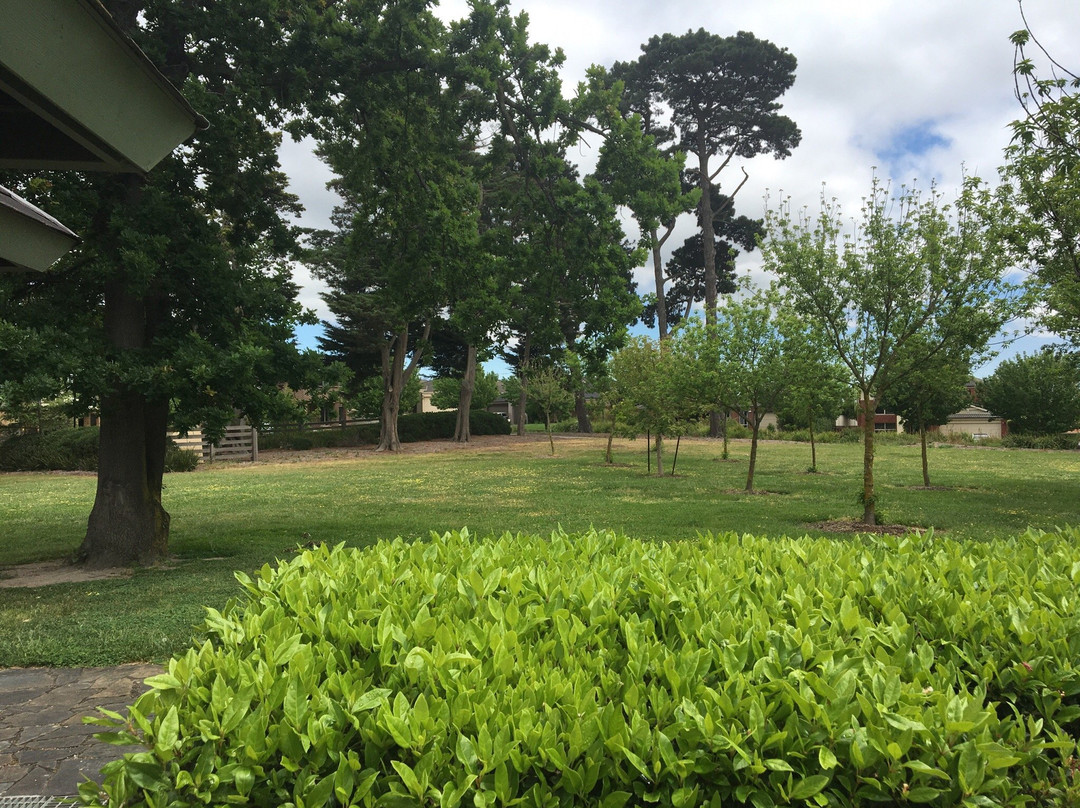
238,517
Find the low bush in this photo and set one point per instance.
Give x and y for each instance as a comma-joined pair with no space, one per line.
595,670
302,439
1062,441
72,450
417,426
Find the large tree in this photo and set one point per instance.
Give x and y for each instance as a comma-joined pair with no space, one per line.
178,307
917,277
722,93
396,141
1044,167
1038,394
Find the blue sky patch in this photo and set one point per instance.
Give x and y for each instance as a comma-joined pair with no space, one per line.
910,143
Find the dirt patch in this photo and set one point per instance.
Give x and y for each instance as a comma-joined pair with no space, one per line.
46,573
930,488
851,526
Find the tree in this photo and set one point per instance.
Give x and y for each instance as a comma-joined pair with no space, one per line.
916,272
179,305
1044,167
928,393
817,385
1038,394
722,93
547,388
743,354
648,391
396,141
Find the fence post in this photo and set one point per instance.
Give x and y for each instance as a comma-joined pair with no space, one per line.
254,444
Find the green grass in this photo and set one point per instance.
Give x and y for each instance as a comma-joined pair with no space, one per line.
233,517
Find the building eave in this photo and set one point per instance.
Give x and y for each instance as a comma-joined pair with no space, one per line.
77,93
30,239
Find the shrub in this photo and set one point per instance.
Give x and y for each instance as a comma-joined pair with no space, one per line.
1022,441
594,670
417,426
73,450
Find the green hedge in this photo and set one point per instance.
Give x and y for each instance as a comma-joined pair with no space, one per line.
595,670
1019,441
73,450
417,426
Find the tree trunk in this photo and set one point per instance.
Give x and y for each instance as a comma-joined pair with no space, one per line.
393,373
753,453
128,524
547,427
523,396
723,431
659,455
610,439
925,466
718,427
705,221
869,510
468,384
584,425
813,447
658,276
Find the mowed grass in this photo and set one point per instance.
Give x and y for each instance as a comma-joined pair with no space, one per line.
239,516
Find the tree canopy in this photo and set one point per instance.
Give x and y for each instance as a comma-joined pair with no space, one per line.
1038,394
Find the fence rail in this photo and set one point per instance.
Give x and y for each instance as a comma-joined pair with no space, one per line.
240,442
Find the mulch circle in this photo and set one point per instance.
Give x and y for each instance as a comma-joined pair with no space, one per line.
851,526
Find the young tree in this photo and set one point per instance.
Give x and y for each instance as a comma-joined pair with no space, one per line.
817,385
1044,167
744,355
1038,394
547,388
916,271
447,392
179,305
926,394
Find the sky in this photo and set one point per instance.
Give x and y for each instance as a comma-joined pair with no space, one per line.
914,91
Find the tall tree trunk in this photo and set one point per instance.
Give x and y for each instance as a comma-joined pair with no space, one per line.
393,360
705,221
128,524
753,453
925,466
523,396
659,455
869,510
584,425
658,277
462,433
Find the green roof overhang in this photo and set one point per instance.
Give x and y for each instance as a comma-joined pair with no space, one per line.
32,239
76,93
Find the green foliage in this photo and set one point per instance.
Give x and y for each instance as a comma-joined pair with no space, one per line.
593,669
1044,169
1064,441
1037,393
73,450
448,391
367,403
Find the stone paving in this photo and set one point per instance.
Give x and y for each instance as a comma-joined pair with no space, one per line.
45,749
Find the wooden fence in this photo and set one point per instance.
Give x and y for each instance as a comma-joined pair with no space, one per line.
240,442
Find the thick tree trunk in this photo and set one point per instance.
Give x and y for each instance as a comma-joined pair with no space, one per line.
468,384
753,454
718,427
393,373
925,466
869,509
584,425
128,524
658,277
